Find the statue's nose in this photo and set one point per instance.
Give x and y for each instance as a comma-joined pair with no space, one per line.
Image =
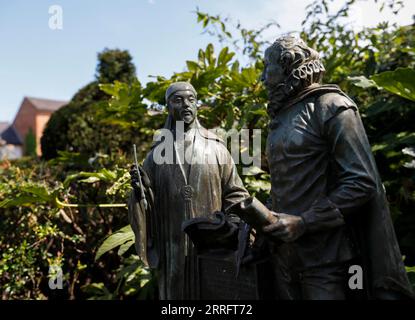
186,103
262,77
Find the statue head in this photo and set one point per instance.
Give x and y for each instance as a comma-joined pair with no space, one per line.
289,67
181,99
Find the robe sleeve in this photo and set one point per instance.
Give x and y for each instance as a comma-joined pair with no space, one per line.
142,221
351,167
233,190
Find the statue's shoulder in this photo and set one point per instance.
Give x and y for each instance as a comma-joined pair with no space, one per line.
332,97
214,145
149,161
331,101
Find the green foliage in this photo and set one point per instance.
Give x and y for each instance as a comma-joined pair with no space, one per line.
76,127
411,276
115,65
55,135
400,81
133,280
30,143
247,42
124,238
52,214
30,193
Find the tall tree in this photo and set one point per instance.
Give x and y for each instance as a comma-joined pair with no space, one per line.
75,127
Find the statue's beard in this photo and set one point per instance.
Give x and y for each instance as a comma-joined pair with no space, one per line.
299,79
277,93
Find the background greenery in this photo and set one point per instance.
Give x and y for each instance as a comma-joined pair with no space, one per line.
69,210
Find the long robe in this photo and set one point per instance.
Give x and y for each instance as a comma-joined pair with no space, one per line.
216,186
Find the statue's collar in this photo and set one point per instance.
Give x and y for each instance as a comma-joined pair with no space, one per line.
310,90
198,128
314,89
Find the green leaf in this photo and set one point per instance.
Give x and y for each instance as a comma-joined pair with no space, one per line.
225,56
260,112
70,158
380,106
97,291
257,185
108,88
253,170
192,66
235,67
124,247
38,190
222,55
210,57
91,177
116,239
22,200
393,140
200,16
400,82
30,195
362,82
201,56
249,76
90,180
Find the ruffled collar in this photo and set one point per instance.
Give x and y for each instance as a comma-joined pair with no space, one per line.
308,74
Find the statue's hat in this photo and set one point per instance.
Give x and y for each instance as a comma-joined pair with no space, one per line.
179,86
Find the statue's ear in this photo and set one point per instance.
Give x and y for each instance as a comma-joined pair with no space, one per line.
286,58
169,109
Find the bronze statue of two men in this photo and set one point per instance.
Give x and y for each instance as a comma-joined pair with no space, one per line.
326,191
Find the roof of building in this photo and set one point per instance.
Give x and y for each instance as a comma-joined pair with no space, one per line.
3,126
9,134
46,104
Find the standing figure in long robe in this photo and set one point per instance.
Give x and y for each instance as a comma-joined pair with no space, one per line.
190,173
326,188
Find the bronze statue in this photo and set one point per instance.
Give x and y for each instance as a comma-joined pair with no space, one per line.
180,189
326,189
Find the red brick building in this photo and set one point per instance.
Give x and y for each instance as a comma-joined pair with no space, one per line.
33,115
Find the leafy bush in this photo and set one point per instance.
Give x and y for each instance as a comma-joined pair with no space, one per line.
30,143
71,212
53,215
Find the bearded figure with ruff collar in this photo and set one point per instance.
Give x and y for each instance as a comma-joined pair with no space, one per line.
326,189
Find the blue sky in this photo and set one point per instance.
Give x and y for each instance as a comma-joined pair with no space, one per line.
160,35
